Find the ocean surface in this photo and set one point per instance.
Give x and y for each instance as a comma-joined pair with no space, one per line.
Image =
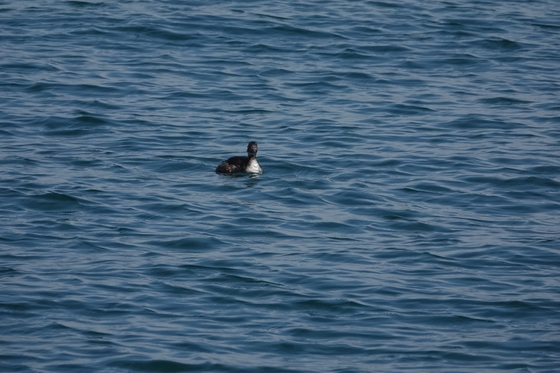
408,217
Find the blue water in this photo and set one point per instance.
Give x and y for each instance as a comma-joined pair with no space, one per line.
408,217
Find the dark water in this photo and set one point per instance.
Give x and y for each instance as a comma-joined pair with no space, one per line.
408,218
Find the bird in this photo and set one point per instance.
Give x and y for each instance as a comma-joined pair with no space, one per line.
246,164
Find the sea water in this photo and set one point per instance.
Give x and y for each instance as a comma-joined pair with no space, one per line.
408,217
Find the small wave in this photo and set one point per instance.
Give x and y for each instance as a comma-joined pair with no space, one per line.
504,101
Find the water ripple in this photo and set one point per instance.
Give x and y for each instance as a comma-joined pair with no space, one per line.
406,220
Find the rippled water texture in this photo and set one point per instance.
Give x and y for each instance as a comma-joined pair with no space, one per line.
408,217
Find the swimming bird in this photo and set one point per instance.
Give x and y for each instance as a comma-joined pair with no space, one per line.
242,164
